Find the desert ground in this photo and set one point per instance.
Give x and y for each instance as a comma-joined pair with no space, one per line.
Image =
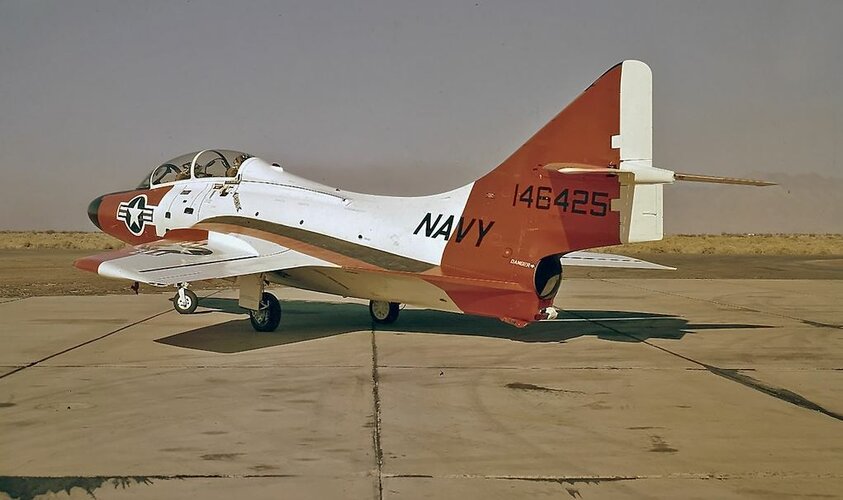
651,384
41,263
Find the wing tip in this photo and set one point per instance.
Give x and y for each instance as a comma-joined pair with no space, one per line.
90,264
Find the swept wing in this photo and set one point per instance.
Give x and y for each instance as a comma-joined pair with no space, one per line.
218,255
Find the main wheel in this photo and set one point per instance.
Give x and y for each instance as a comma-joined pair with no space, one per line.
187,304
266,318
383,312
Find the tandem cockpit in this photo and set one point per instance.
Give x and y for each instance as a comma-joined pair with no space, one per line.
209,163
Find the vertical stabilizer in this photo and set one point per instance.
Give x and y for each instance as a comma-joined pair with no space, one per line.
585,179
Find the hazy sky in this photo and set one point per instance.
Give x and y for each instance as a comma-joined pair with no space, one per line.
398,97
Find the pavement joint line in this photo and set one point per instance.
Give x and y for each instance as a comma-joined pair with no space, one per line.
571,368
644,341
734,375
537,368
817,324
168,476
433,367
89,341
376,416
200,367
597,478
395,475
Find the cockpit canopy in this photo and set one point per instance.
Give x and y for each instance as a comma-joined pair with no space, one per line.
196,165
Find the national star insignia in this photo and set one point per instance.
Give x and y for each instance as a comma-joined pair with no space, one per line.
135,214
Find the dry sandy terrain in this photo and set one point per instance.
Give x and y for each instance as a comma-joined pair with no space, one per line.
42,263
50,271
739,244
801,203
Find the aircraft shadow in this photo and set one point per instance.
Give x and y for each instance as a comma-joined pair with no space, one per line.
303,320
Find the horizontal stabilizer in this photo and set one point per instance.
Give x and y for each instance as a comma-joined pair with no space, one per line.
594,259
666,176
580,168
720,180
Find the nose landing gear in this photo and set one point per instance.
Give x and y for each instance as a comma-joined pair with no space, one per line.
185,301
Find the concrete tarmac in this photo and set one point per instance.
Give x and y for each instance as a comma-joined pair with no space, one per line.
642,388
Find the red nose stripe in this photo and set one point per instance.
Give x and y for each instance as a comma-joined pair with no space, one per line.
111,222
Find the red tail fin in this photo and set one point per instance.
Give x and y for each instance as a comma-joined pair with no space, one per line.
580,134
539,212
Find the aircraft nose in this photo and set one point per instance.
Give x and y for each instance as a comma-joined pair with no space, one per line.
93,211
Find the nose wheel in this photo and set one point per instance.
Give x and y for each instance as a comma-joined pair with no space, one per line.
185,301
383,312
268,316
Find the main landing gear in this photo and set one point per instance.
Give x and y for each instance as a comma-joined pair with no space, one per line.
264,319
268,315
264,308
383,312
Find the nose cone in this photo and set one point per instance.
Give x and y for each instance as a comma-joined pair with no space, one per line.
93,211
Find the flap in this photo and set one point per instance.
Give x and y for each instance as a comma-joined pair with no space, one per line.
594,259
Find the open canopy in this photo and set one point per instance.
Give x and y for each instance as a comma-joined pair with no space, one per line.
196,165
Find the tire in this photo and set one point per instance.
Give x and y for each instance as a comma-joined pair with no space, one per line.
269,316
191,301
382,312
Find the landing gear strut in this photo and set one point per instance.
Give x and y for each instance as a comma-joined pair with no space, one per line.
268,315
185,301
383,312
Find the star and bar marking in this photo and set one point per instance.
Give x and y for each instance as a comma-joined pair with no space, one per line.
135,213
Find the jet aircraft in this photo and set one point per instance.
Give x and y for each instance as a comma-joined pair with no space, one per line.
495,247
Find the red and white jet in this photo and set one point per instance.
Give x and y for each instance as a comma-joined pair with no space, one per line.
495,247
